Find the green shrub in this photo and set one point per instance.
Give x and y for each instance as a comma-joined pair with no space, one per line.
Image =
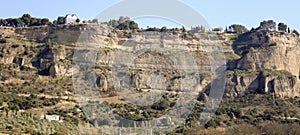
213,123
15,46
2,41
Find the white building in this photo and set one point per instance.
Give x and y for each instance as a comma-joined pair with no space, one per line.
50,117
71,19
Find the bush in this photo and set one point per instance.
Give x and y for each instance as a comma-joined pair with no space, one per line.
50,102
162,105
15,46
213,123
3,41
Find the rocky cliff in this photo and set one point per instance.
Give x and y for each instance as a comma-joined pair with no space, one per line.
268,50
271,52
258,61
241,82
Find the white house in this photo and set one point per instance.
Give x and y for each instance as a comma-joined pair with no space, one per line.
71,19
50,117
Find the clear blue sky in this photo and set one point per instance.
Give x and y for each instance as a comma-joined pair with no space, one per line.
218,13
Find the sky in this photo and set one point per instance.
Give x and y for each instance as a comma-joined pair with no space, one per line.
218,13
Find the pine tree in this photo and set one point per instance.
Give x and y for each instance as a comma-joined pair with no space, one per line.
296,32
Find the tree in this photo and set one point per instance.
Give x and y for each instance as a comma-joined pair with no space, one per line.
78,20
123,23
162,105
6,110
19,22
15,22
17,108
164,29
128,25
3,22
113,23
296,32
61,20
9,22
26,18
268,25
95,20
36,22
289,30
183,29
218,29
54,22
237,28
123,19
14,107
45,21
123,26
133,25
282,27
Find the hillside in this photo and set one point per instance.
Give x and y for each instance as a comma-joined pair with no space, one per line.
37,77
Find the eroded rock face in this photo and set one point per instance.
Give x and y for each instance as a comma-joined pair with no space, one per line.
60,69
276,52
259,51
268,50
240,85
281,83
102,82
283,86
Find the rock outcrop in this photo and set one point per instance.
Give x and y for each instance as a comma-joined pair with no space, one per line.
268,50
260,61
282,83
273,52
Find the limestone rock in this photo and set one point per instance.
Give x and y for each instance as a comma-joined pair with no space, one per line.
60,69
